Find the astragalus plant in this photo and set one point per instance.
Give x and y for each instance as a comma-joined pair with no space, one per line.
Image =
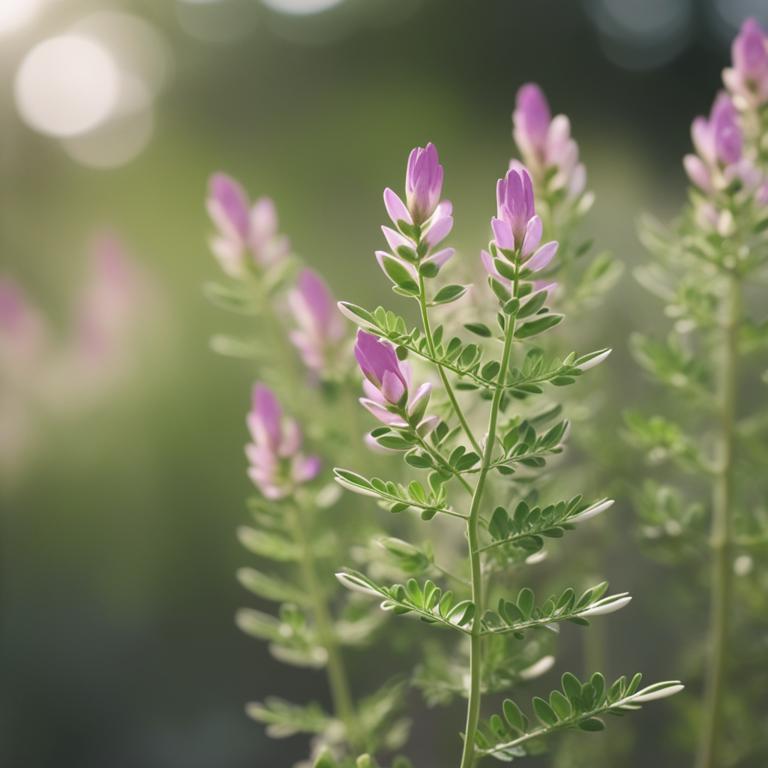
710,271
299,345
466,473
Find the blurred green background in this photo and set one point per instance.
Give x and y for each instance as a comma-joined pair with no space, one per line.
119,507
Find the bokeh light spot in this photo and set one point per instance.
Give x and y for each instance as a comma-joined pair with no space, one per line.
66,86
301,7
17,14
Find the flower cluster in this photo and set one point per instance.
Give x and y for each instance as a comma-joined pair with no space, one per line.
247,241
320,330
247,234
422,222
726,163
546,145
517,232
388,393
277,464
719,144
747,78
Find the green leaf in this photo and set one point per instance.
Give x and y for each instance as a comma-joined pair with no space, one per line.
593,724
449,293
543,711
270,587
537,326
479,329
399,274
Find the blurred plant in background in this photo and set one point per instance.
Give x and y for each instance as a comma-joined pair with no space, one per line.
299,529
47,374
710,271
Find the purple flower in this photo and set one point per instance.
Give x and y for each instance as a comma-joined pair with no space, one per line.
545,143
516,227
423,182
433,217
747,79
320,327
531,119
277,464
517,231
242,228
516,224
23,336
718,141
387,386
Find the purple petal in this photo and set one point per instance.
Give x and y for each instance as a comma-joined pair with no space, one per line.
697,172
533,231
439,230
441,257
750,50
532,116
375,358
382,414
268,413
392,387
395,240
396,209
228,197
502,233
541,259
306,468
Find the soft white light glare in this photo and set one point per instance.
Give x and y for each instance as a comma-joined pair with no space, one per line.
301,7
17,14
67,86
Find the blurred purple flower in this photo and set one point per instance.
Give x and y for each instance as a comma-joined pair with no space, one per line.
387,386
109,304
277,464
23,336
545,143
747,79
243,228
320,327
718,141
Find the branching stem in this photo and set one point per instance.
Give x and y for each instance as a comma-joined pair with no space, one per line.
440,370
475,657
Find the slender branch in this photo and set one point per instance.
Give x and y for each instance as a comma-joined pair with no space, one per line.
337,676
721,539
475,657
440,370
435,454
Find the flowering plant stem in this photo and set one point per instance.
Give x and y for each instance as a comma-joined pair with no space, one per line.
721,539
338,682
476,650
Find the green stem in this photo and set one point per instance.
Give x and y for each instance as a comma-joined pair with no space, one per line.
475,649
337,676
721,539
440,459
440,370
